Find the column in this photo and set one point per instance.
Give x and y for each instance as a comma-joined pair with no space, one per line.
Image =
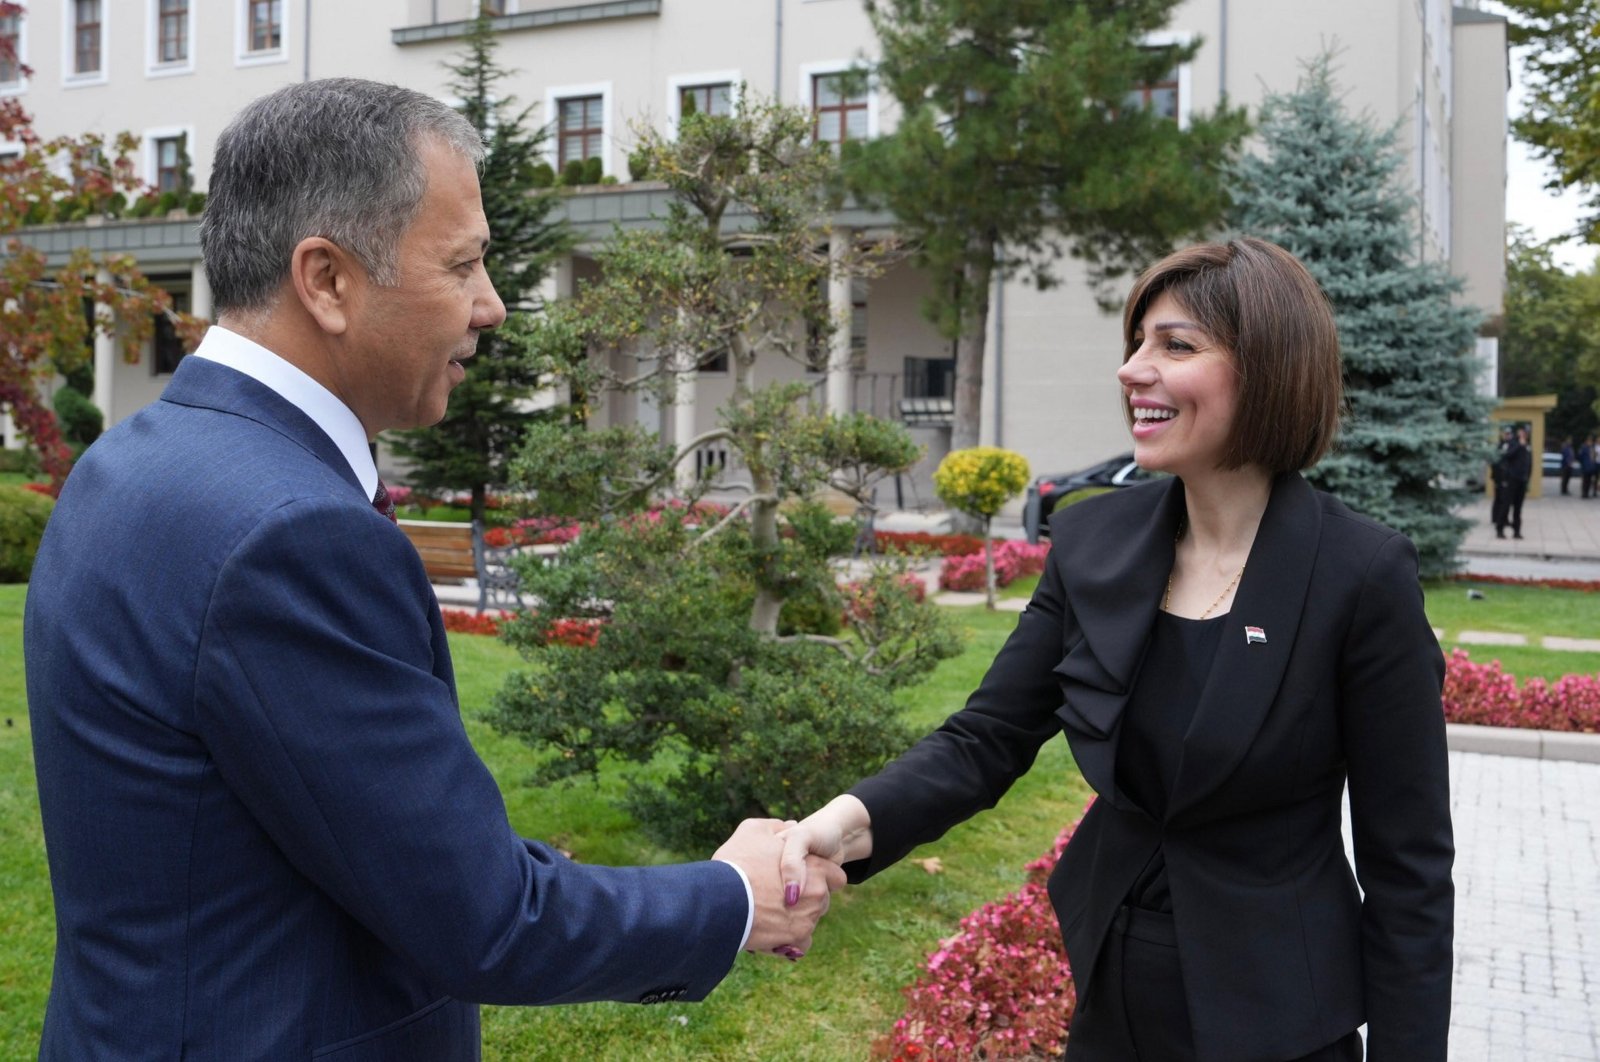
683,422
105,355
838,384
199,290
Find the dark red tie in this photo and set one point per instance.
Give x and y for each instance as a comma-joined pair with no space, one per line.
383,503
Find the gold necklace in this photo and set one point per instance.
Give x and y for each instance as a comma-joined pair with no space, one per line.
1166,599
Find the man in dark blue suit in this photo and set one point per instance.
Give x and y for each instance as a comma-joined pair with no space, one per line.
268,835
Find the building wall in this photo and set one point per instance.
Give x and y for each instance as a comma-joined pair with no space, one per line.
1050,386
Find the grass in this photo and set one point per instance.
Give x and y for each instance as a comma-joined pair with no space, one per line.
1527,610
830,1006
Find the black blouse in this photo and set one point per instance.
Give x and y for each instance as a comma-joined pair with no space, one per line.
1171,678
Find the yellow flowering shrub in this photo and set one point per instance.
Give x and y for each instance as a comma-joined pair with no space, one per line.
980,480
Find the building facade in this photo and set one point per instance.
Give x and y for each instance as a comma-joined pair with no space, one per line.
175,71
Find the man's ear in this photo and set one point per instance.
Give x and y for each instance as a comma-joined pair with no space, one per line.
327,281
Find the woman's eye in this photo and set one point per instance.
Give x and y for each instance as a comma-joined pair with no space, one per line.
1179,345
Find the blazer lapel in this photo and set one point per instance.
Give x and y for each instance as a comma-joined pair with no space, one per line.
1113,572
206,384
1258,635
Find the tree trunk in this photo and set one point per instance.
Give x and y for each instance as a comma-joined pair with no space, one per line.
480,501
975,276
988,565
764,537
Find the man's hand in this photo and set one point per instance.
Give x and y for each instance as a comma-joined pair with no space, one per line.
783,923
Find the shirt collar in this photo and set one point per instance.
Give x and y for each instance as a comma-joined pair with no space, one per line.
294,386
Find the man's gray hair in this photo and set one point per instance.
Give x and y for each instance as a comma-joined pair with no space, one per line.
337,158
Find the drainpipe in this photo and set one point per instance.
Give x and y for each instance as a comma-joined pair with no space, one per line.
1222,53
777,50
305,32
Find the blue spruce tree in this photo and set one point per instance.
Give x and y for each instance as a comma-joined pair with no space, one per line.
1326,187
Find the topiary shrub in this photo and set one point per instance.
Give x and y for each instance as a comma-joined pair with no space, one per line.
195,204
81,420
979,481
23,514
639,165
542,175
572,173
593,170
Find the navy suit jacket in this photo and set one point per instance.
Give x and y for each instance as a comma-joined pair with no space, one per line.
268,834
1280,952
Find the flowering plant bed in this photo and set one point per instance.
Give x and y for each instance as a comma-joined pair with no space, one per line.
580,633
1012,561
924,542
1588,586
1485,695
999,988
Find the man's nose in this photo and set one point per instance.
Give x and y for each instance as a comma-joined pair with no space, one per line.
488,311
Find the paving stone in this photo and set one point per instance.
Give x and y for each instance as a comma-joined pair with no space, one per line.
1490,638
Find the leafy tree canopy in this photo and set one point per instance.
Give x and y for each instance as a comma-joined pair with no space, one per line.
1559,42
1550,344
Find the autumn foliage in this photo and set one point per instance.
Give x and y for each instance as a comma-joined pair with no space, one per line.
42,326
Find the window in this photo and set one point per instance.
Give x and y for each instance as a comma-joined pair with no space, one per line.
86,36
1160,97
168,347
706,99
930,377
839,117
169,165
172,32
496,7
581,129
10,49
263,25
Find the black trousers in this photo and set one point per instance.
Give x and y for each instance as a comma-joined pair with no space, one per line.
1137,1012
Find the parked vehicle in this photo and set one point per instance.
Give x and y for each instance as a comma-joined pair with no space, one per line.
1045,493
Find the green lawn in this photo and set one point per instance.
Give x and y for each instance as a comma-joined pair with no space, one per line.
829,1006
1528,610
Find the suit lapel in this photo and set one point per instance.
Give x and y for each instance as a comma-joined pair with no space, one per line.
205,384
1245,676
1113,571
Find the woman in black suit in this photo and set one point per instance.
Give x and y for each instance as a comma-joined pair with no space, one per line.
1224,649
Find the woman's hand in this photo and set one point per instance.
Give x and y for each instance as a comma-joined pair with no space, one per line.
840,832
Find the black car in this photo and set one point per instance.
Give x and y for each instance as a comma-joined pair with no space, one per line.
1046,492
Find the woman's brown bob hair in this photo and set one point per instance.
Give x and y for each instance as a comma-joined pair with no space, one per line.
1256,300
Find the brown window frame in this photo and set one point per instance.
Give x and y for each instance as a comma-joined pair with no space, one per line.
581,135
846,105
167,177
274,26
11,49
83,32
172,29
704,106
1146,90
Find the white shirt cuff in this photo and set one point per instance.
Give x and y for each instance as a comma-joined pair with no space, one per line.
750,897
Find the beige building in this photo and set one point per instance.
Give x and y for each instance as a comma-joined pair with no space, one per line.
171,69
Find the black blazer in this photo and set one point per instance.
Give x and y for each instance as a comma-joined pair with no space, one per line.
1281,953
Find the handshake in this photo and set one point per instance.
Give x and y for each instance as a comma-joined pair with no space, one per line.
794,868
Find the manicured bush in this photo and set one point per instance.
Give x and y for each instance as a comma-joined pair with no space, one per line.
593,170
81,420
24,461
23,514
572,173
1000,988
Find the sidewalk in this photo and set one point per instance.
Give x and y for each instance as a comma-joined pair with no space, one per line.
1560,538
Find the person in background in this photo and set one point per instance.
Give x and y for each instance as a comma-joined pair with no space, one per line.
1569,463
269,836
1588,465
1224,650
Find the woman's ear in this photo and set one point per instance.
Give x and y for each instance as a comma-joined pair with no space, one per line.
327,281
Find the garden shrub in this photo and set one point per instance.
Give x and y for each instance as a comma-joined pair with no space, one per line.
1012,561
1000,987
23,514
81,420
924,542
23,461
1484,695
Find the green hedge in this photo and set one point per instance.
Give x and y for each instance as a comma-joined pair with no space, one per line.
23,514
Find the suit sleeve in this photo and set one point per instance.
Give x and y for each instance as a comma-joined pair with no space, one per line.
1394,737
967,765
318,696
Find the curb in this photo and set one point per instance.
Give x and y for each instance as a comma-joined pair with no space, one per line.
1527,744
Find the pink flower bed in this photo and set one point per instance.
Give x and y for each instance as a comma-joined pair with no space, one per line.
999,988
1012,560
1483,694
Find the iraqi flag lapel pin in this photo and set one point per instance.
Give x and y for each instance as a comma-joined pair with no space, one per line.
1255,636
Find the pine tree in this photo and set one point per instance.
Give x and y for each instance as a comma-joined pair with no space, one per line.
1327,188
489,412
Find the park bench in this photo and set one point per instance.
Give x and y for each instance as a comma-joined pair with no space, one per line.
455,552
